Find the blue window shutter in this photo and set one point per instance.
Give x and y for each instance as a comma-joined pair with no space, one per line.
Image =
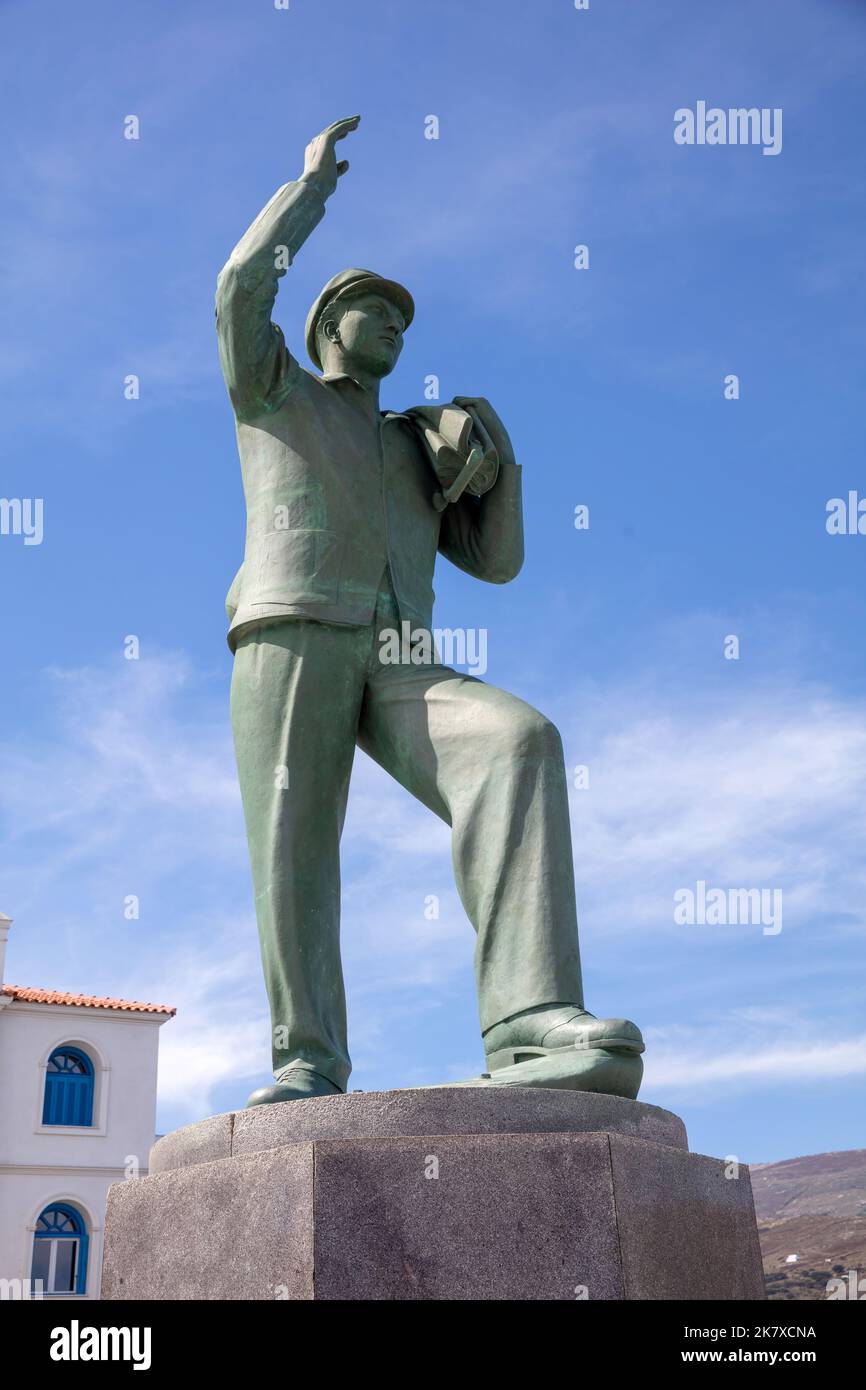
50,1102
81,1273
68,1089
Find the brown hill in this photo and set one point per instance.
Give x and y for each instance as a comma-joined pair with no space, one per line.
815,1208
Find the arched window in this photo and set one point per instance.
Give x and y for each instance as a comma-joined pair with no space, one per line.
68,1088
60,1250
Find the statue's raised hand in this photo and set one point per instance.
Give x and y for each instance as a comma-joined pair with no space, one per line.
321,166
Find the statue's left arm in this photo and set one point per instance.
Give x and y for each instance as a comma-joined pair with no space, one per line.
484,535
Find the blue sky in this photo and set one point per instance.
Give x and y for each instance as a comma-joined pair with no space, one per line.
707,515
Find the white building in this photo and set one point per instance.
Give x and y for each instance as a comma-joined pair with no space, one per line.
77,1113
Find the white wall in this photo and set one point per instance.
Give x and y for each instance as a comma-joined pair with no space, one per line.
43,1164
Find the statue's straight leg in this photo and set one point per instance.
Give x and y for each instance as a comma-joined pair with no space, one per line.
492,767
296,695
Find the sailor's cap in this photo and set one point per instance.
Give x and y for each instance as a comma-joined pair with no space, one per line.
350,283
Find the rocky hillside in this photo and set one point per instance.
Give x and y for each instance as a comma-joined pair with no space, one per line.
813,1208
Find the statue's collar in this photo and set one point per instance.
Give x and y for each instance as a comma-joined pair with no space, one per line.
339,376
330,377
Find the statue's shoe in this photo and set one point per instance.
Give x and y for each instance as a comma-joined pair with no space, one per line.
570,1069
558,1031
295,1083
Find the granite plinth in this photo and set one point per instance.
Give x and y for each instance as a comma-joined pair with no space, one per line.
511,1195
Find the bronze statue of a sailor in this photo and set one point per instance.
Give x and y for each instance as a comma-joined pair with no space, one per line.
348,507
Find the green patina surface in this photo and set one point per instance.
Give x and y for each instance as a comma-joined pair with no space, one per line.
345,519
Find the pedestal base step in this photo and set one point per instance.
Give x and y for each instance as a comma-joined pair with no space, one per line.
480,1216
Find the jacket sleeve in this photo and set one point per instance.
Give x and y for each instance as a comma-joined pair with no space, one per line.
484,535
259,371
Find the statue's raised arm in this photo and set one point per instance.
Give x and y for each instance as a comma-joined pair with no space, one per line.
256,365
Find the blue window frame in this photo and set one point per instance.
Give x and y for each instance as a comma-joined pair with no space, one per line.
60,1250
68,1088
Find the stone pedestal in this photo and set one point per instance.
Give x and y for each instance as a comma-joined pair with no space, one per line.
439,1193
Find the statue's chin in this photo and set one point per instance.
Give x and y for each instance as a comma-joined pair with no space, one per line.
376,366
381,366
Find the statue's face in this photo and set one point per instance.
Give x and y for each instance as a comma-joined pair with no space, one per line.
370,330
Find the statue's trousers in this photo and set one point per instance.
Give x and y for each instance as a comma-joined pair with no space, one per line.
303,695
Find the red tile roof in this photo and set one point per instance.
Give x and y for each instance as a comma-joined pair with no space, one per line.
84,1001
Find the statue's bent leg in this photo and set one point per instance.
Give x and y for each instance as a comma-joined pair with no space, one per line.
491,766
296,694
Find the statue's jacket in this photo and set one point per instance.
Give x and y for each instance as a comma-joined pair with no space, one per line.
332,498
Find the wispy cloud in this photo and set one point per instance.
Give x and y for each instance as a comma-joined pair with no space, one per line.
745,1049
724,791
770,1063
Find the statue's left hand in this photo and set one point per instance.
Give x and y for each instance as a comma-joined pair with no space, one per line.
492,423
